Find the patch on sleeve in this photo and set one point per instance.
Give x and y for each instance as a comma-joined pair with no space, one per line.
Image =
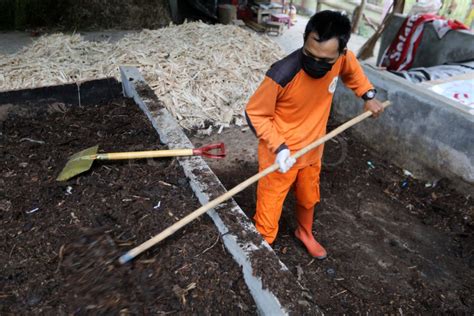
333,85
284,70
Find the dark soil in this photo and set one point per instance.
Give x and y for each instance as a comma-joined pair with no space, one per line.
395,244
61,241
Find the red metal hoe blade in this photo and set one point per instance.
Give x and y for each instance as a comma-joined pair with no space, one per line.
216,151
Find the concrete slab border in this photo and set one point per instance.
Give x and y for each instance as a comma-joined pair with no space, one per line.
426,133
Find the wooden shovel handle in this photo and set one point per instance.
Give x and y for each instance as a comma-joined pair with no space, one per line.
203,209
145,154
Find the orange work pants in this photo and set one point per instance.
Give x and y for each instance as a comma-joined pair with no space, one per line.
271,193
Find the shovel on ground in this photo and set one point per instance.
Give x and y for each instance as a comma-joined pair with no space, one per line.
82,161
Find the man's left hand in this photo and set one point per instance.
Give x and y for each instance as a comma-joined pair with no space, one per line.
374,106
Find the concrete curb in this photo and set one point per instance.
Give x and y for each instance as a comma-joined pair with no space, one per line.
237,232
423,132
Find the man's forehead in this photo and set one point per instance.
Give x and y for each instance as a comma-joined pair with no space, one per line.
315,36
330,44
328,49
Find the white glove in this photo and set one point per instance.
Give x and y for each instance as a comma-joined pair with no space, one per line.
284,160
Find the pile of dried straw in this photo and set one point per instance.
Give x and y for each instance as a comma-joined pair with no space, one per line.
203,73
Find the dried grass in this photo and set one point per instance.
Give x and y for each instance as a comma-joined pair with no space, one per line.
203,73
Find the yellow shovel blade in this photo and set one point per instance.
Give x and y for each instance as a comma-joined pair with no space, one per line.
78,163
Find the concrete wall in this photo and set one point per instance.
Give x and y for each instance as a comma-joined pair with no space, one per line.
421,131
453,47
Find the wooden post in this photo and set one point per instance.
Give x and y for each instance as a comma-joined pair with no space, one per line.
359,10
174,8
367,50
303,4
318,5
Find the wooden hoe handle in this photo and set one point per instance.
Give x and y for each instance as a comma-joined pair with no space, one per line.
210,151
145,154
203,209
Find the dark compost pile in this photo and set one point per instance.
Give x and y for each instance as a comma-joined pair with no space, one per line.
61,240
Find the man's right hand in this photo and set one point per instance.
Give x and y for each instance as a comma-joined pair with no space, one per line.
284,160
374,106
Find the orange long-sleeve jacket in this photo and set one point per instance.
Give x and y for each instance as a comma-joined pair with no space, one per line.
292,108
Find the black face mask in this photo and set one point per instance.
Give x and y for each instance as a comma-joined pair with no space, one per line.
314,68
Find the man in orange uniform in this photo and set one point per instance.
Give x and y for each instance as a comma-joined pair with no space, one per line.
290,110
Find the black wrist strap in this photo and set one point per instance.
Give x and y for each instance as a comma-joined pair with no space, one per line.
281,147
366,97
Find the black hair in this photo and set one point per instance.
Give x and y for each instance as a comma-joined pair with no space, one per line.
329,24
